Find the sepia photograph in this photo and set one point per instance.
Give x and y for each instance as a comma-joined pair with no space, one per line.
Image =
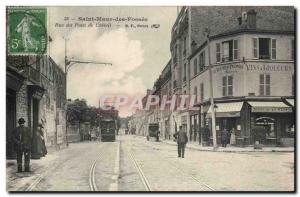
150,98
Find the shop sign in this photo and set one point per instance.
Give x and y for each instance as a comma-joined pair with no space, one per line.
268,67
232,68
271,109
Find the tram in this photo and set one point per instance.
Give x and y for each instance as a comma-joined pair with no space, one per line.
108,129
153,131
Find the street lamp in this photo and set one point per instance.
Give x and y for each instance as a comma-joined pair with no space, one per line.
212,105
68,63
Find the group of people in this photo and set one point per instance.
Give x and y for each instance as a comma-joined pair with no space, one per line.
25,143
228,137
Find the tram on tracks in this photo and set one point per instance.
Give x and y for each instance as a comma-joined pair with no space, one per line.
153,131
108,129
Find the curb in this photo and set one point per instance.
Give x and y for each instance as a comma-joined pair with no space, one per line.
232,151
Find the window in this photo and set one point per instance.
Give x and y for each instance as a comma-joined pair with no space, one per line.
293,85
184,72
293,50
218,52
227,85
230,51
184,47
255,47
202,92
235,49
202,61
264,48
273,49
195,66
195,93
264,85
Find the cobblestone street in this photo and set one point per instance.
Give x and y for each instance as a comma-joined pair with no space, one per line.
134,164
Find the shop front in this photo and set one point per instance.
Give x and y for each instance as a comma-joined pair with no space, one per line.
228,117
271,123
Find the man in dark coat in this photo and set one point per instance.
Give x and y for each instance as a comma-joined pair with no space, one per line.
224,137
22,139
182,139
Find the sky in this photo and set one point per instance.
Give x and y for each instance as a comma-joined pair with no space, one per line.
138,55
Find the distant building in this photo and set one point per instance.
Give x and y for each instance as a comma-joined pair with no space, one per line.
35,91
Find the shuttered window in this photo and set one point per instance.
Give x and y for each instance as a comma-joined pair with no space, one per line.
235,49
273,48
255,47
218,52
227,85
264,85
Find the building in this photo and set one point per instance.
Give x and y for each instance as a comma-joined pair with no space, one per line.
35,91
251,50
249,61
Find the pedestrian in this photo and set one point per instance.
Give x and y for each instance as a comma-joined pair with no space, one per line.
22,142
232,137
224,137
157,135
42,145
182,139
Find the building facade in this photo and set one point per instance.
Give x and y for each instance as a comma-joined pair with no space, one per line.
251,53
35,91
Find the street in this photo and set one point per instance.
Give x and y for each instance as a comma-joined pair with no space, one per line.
134,164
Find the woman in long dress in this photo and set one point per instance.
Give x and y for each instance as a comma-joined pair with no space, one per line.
232,137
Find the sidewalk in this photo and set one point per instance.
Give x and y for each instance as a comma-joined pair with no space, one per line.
229,148
25,180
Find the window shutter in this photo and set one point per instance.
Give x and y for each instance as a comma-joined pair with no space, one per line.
218,52
224,83
273,48
255,47
235,49
268,85
195,66
230,85
261,85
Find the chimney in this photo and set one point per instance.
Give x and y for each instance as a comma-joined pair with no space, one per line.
251,19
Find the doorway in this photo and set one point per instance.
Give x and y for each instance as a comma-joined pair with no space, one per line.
10,122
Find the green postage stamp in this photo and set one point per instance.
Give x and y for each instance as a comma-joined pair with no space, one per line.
27,32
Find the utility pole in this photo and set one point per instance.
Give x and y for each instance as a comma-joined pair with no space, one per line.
68,63
212,105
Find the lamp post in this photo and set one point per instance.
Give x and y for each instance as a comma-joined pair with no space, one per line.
212,105
68,63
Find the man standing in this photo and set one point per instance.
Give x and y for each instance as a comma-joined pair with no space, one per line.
22,140
224,137
182,139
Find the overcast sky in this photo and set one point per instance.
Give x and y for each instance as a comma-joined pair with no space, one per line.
138,55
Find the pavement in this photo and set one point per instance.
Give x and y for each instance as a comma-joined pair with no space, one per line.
196,146
140,162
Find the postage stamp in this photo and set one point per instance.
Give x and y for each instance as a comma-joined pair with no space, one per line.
27,31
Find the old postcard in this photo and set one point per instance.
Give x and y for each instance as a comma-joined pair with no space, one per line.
150,98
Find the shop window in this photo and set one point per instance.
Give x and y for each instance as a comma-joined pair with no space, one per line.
202,61
264,48
195,66
227,84
264,85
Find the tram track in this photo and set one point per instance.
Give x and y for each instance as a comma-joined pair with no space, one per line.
146,182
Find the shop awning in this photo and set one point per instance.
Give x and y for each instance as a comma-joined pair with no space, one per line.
291,101
227,109
269,107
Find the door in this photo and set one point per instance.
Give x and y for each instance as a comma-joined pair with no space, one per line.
10,122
